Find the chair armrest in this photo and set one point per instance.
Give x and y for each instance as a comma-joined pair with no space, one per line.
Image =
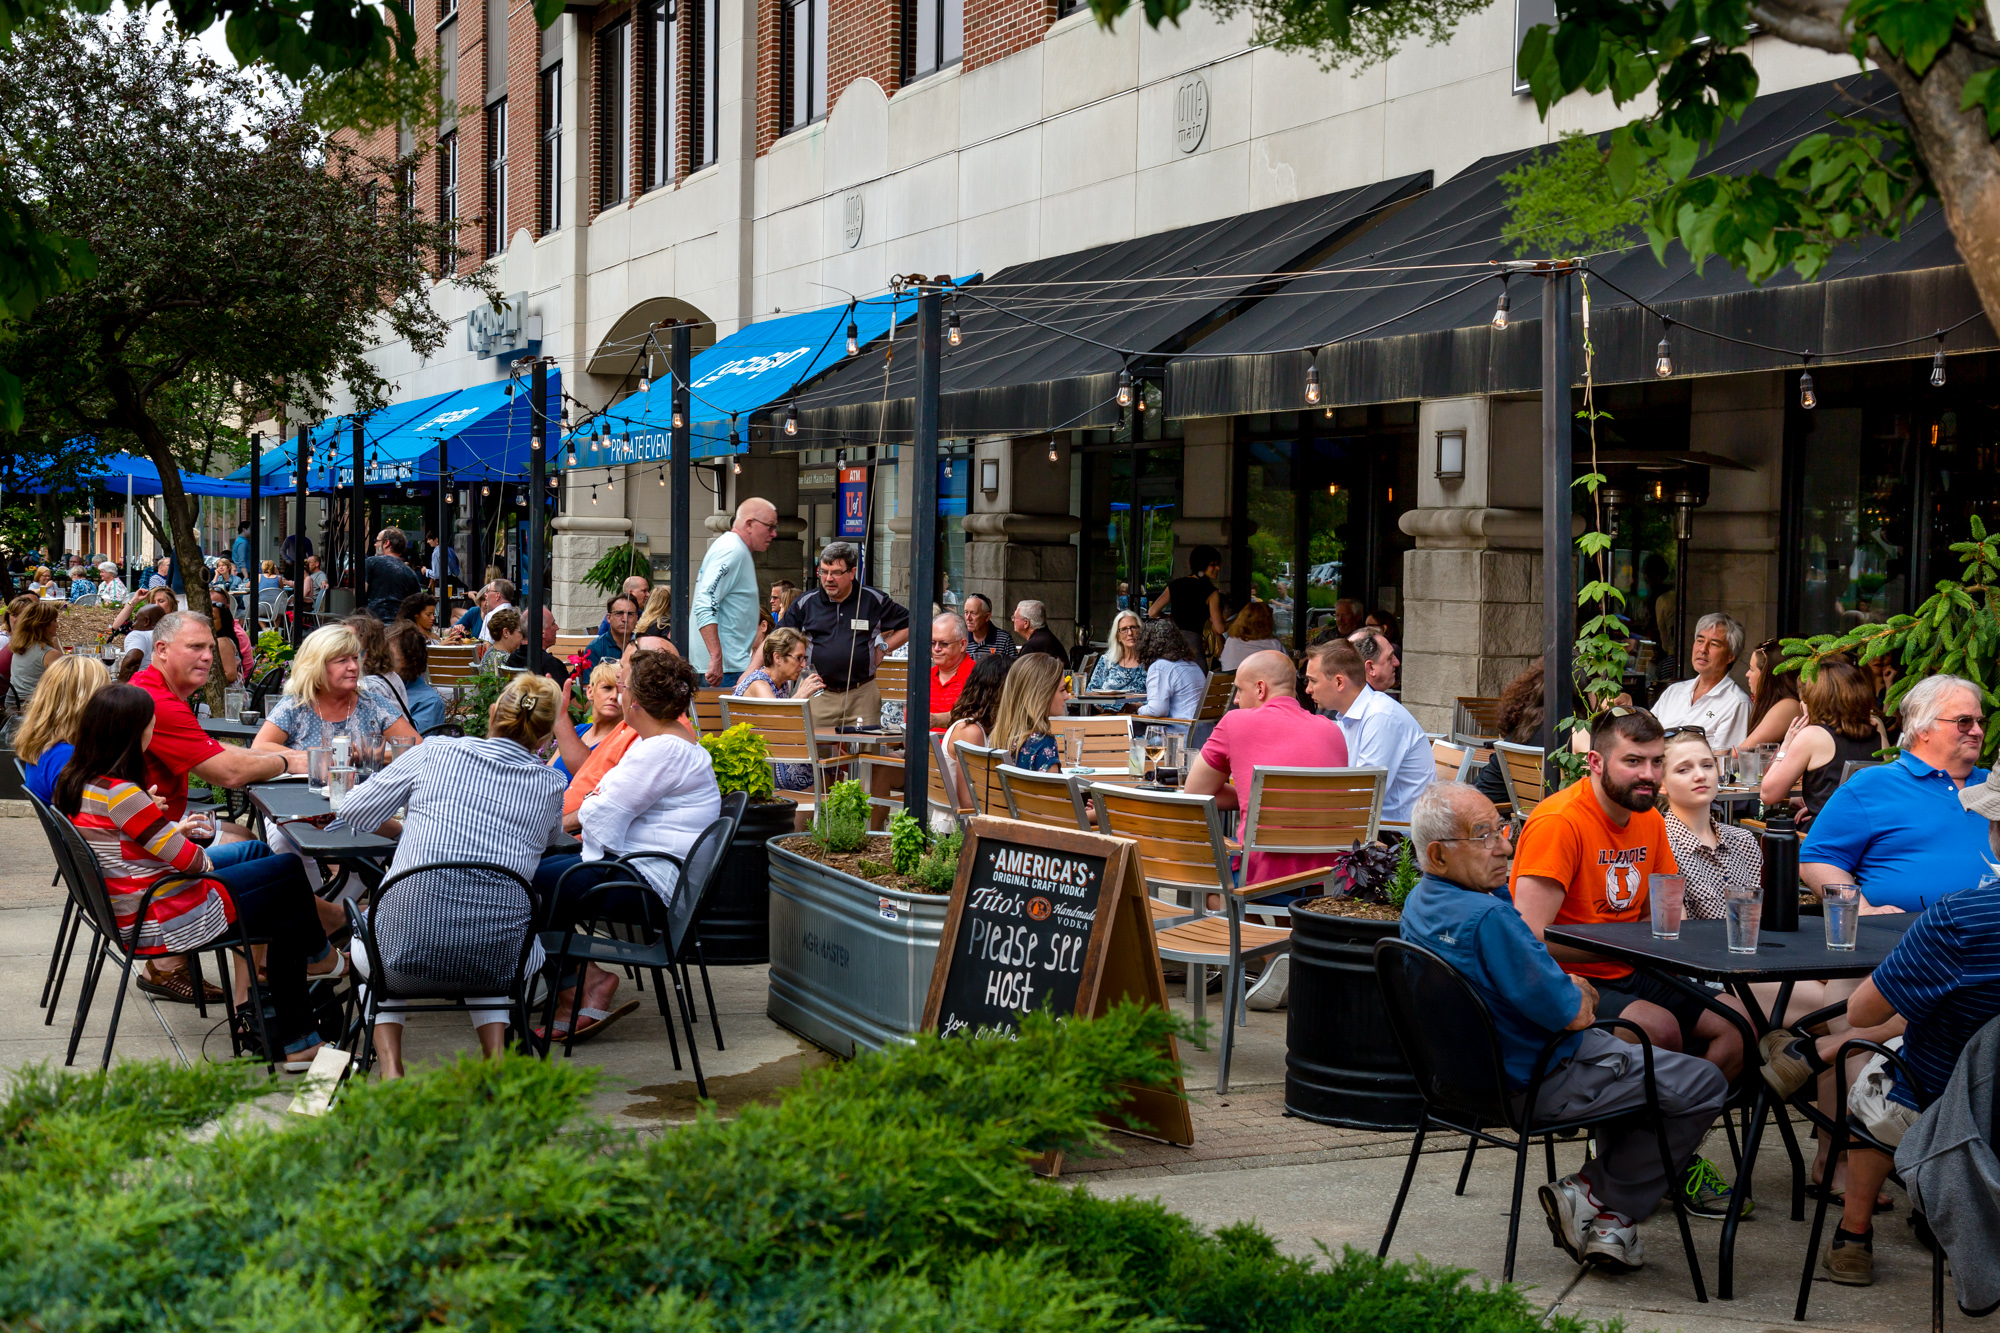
1284,883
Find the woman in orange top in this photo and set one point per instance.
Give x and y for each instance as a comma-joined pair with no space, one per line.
102,791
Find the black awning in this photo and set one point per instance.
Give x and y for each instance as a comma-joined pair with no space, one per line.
1394,319
1154,294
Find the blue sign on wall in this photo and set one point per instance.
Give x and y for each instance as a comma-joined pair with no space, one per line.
853,502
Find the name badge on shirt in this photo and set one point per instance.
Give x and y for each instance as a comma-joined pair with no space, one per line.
858,623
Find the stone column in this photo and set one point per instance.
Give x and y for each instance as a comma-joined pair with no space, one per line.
580,542
1018,537
1473,586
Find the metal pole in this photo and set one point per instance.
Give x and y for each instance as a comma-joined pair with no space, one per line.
303,462
682,527
923,553
443,553
1558,569
131,517
538,465
357,540
256,572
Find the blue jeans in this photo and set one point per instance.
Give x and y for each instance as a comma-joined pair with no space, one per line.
625,905
274,902
729,679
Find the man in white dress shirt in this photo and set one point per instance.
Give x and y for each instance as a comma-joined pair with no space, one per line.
1380,732
1713,700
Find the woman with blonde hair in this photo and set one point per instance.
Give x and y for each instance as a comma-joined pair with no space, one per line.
33,644
1253,631
573,745
656,618
324,699
472,800
48,734
1036,690
1120,671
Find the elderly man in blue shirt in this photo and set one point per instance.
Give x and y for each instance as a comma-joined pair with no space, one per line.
1898,830
1460,912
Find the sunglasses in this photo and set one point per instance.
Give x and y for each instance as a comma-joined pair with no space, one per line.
1689,730
1967,724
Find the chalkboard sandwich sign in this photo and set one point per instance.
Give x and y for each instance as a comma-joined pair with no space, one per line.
1042,916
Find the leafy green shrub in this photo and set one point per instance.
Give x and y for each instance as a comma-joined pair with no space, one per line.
889,1193
616,565
742,761
906,842
273,647
1404,881
841,822
939,868
476,697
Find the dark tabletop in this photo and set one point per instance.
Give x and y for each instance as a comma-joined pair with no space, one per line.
338,842
289,800
223,729
1703,948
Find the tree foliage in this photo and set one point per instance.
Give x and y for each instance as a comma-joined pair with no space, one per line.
1565,203
243,254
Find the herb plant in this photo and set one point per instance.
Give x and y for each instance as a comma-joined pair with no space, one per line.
841,822
906,842
938,870
742,761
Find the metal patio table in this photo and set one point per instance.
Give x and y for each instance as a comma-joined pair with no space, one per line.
1785,957
224,730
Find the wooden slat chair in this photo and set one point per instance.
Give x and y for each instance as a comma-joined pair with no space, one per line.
1455,763
452,664
1216,695
1180,847
1521,768
1309,811
945,807
1054,800
979,766
1475,719
786,726
1083,672
892,679
1107,740
706,708
569,645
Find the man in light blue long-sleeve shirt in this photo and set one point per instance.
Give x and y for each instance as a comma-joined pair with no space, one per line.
723,611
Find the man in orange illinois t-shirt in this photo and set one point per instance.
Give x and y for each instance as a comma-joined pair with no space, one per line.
1584,856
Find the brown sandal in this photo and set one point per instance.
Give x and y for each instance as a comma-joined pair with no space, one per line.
177,988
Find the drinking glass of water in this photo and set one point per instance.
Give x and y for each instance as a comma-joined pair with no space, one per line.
1743,913
1842,903
339,782
232,705
319,761
1669,897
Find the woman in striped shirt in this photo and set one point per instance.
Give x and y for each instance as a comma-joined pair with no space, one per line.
102,790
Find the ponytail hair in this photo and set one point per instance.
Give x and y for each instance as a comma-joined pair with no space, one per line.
525,712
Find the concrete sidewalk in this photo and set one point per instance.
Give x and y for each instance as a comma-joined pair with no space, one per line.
1306,1184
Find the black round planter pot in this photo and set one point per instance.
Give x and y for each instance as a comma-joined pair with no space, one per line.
736,924
1342,1064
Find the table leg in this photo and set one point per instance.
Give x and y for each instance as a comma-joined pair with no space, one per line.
1726,1261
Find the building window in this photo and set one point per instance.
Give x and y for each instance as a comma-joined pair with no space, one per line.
447,35
933,36
656,98
448,199
551,164
614,112
496,177
705,70
802,57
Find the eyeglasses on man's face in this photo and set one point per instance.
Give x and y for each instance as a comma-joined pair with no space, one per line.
1492,836
1966,723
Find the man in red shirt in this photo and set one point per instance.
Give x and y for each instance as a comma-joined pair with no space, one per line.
951,667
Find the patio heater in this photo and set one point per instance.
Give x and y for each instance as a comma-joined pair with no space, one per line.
1689,496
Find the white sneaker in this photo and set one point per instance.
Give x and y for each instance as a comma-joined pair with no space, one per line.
1613,1246
1567,1203
1269,990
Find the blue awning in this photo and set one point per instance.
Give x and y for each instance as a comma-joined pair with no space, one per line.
483,432
750,369
110,474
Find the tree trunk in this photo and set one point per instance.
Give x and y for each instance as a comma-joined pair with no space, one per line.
1964,162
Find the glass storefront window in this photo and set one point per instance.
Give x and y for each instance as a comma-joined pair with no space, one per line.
1128,532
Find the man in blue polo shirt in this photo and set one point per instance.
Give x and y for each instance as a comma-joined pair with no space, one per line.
1455,912
1940,985
1898,831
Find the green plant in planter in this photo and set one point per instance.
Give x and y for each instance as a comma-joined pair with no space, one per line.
742,762
939,868
906,842
273,647
475,700
841,823
1404,881
616,565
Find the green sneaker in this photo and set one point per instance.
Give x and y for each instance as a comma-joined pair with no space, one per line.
1704,1193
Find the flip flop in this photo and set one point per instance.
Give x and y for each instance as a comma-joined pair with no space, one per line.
342,969
593,1021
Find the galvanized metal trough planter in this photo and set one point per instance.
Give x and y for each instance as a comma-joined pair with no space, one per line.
850,961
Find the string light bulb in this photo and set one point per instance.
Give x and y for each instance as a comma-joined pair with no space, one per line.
1663,356
1500,309
486,490
792,419
1312,384
737,467
678,420
947,468
593,495
1125,388
953,334
645,383
1052,449
1937,366
1807,398
572,453
853,337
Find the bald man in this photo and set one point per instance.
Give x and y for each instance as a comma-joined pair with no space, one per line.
727,595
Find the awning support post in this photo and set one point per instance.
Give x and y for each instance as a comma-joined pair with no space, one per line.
681,359
923,551
1558,474
538,460
357,540
304,464
256,571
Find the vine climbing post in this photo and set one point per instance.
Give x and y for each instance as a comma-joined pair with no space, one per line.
1558,578
1602,641
681,366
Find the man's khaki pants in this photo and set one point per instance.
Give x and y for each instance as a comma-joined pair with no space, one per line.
840,708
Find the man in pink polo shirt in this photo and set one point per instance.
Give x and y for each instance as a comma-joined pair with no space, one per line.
1269,728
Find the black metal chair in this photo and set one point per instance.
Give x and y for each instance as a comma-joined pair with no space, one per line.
1447,1035
451,730
66,928
667,932
415,994
269,682
1841,1128
91,898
